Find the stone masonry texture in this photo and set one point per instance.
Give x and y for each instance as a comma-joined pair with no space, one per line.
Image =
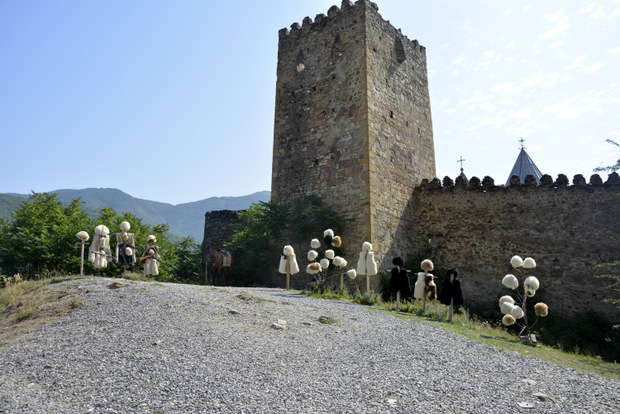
353,124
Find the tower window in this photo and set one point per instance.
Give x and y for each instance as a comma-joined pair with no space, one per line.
399,50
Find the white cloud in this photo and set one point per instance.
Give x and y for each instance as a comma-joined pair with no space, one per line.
578,106
561,26
581,64
491,121
478,102
599,12
613,51
556,45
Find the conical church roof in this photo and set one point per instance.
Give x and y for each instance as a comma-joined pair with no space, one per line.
524,167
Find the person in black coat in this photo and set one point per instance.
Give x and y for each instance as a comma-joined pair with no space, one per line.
451,290
400,279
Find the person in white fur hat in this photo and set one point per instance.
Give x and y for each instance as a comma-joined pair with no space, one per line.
99,253
125,245
150,257
366,264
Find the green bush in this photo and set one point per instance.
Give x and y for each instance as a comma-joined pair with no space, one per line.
369,298
41,242
586,332
264,223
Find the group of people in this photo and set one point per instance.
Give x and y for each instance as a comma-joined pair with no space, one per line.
100,253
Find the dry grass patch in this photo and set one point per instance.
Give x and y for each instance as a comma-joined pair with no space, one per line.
28,305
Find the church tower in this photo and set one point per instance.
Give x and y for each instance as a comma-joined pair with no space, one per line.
353,124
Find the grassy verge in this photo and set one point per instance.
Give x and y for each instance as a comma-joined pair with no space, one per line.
483,332
27,305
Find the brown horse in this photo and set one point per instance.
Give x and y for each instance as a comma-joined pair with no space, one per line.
221,262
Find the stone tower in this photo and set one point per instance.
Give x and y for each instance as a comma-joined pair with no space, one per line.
353,124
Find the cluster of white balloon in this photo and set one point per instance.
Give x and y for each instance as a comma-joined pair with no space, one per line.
511,309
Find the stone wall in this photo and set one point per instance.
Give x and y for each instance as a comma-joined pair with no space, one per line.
352,123
401,134
568,229
219,227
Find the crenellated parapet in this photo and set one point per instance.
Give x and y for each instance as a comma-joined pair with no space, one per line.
334,12
546,182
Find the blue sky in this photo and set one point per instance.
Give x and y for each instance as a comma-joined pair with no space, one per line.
173,101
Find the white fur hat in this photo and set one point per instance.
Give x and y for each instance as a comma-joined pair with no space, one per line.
517,312
529,263
313,268
366,246
338,261
151,238
128,251
82,235
315,243
125,226
312,254
506,298
102,230
324,263
427,265
516,262
328,232
508,320
329,254
288,250
510,281
352,274
531,284
507,308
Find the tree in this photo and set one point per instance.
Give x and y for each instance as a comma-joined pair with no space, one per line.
41,237
312,216
184,262
615,285
266,222
251,245
610,168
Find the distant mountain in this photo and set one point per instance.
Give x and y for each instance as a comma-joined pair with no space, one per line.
185,220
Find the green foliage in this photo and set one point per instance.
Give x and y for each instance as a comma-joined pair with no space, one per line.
328,293
41,238
587,332
265,222
312,216
615,278
184,264
41,241
434,310
369,298
251,245
610,168
185,220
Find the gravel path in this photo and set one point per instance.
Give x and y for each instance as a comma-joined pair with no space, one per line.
165,348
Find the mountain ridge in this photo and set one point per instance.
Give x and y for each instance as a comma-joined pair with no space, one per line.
185,219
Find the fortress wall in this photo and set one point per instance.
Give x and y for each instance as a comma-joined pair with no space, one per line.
567,229
320,133
401,134
220,226
353,123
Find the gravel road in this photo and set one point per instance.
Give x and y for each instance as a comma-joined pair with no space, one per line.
148,347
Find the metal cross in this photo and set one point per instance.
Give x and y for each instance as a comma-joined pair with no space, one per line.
522,141
461,159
